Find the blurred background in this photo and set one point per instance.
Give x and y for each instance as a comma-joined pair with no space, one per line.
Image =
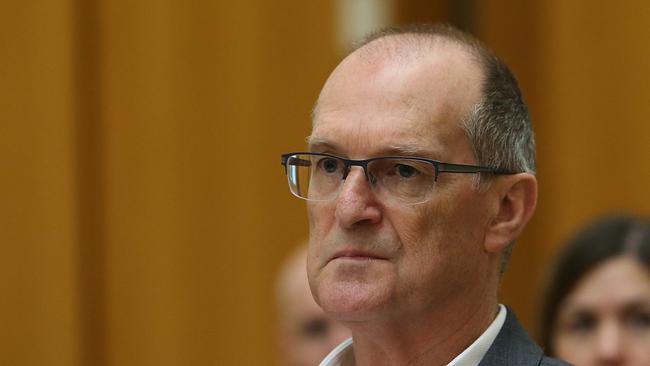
144,211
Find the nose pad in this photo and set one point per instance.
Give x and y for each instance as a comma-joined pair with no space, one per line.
346,171
359,178
369,176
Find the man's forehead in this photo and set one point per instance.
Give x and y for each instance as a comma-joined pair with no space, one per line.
383,100
384,135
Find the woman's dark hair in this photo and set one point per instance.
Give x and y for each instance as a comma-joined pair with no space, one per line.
603,239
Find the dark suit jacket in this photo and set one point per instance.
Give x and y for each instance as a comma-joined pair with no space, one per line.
514,347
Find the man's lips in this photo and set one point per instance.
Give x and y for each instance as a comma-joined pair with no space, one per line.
356,254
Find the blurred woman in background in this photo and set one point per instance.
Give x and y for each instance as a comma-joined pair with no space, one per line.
596,308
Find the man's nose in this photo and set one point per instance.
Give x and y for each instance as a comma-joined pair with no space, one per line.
357,202
610,345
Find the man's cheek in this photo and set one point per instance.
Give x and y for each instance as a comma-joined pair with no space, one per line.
321,220
412,227
310,216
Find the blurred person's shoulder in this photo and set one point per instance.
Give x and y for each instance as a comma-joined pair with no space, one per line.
548,361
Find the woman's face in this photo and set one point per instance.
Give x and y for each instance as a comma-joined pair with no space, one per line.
606,319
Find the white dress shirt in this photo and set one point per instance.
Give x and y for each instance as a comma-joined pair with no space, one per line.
471,356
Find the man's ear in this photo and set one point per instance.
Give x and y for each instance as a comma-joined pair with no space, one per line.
517,200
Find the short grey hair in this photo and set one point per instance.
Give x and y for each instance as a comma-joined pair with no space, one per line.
498,128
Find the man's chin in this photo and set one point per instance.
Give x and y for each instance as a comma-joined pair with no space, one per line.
352,301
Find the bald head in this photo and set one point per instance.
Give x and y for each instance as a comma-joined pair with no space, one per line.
417,42
437,58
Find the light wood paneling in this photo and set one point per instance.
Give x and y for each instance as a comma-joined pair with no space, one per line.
583,68
39,300
144,207
199,101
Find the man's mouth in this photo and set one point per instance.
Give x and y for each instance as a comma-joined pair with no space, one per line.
356,254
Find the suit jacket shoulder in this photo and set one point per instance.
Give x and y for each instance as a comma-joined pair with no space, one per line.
547,361
514,347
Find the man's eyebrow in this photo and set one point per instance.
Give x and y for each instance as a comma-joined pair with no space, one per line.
320,145
316,143
411,150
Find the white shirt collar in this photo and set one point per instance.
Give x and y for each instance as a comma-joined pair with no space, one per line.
471,356
335,358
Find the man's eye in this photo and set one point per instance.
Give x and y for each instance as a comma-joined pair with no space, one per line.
406,171
329,165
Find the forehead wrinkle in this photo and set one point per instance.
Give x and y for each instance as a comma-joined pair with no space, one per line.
407,146
413,149
355,135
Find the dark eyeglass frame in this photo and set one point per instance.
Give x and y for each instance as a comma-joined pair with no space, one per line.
439,167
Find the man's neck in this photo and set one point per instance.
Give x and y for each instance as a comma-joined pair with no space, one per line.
432,341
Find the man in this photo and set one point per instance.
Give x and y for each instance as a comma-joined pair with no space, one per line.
305,334
419,177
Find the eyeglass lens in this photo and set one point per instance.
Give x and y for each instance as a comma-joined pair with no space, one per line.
320,177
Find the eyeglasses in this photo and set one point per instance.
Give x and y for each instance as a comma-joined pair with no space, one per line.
408,180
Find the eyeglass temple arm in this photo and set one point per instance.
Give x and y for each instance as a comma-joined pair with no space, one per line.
462,168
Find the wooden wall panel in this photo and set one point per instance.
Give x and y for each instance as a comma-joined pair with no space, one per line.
596,94
200,100
39,298
583,68
144,207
